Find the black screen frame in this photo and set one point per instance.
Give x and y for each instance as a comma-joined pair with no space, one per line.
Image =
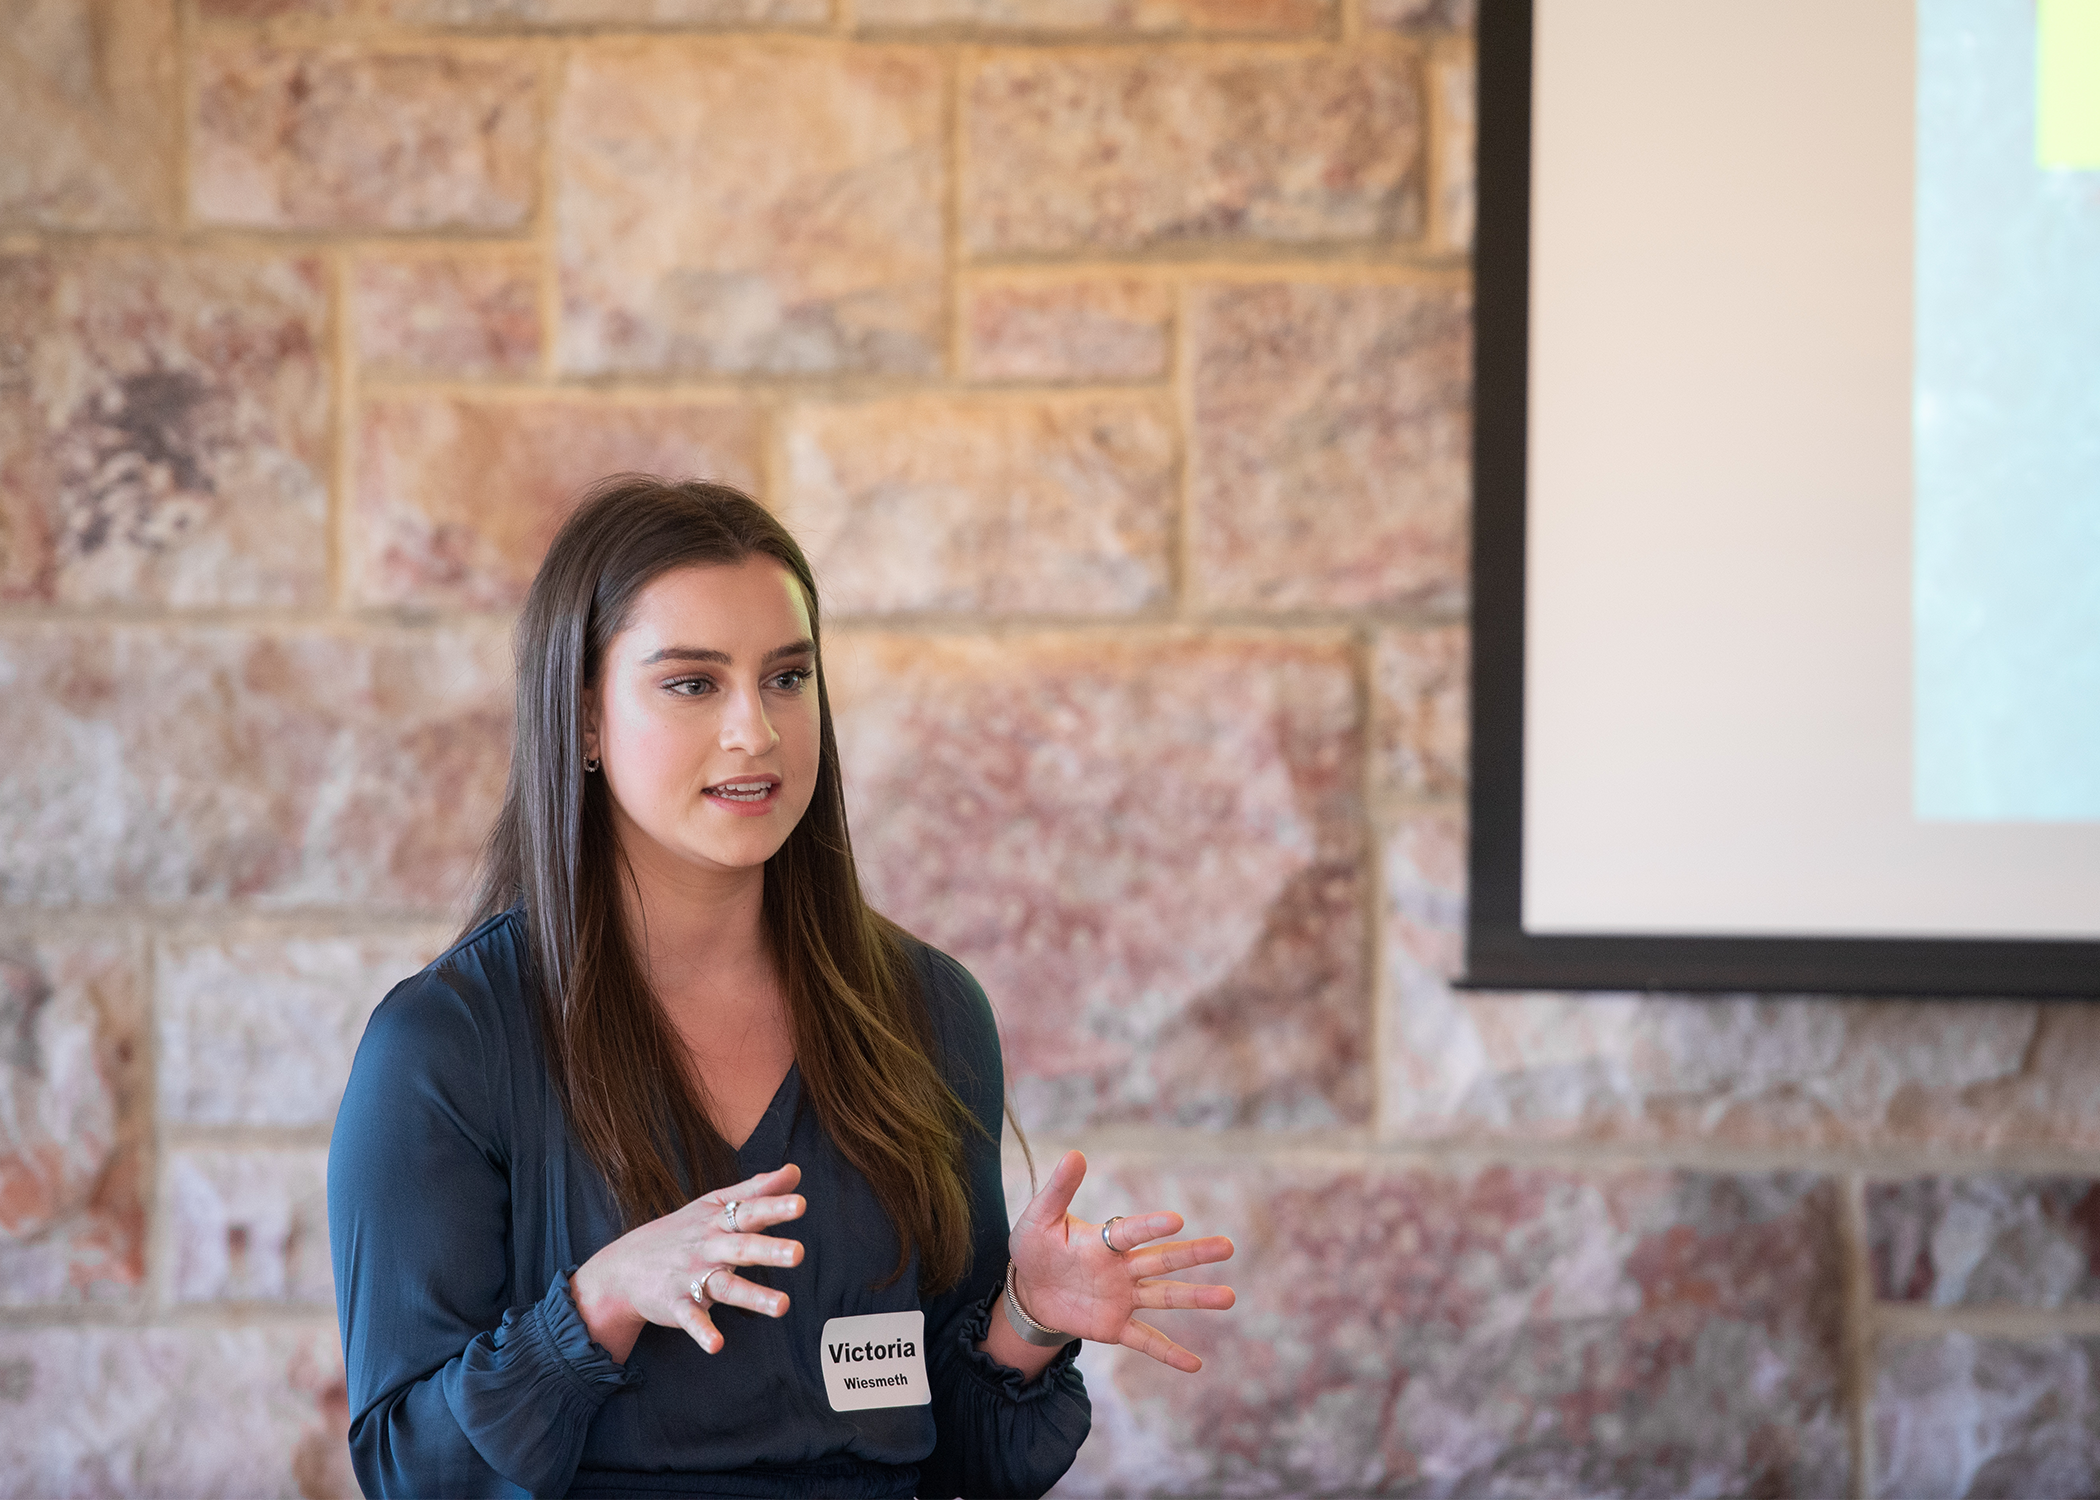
1500,953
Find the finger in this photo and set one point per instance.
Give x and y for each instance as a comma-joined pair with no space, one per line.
1156,1296
783,1179
738,1292
750,1250
1163,1260
693,1318
1049,1205
1148,1340
758,1213
1133,1230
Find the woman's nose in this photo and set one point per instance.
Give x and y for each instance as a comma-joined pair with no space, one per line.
745,726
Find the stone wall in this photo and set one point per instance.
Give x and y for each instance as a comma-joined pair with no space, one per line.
1111,356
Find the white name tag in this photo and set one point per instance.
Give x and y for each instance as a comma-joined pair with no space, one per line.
877,1360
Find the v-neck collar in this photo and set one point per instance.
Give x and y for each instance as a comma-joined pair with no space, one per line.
769,1137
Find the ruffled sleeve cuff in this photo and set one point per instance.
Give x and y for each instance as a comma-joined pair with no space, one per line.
999,1433
1005,1380
563,1327
525,1393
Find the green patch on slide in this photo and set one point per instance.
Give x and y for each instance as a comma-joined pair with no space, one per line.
2067,84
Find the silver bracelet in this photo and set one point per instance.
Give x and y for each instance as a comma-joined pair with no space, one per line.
1027,1327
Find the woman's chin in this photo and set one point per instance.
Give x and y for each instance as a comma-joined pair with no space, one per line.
749,852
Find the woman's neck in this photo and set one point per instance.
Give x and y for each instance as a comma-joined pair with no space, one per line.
700,935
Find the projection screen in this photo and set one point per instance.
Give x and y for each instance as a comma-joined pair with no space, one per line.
1788,475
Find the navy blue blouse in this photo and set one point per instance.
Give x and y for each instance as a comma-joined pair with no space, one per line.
459,1202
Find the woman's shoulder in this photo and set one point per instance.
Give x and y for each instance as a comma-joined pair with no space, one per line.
468,1000
962,1017
446,1051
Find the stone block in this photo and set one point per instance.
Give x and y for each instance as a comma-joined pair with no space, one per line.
1146,847
73,1122
1425,889
1060,506
272,10
1959,1416
262,1030
275,766
1751,1071
1112,152
1420,703
163,429
523,14
249,1226
1118,17
174,1411
530,15
1422,15
1454,84
88,105
1506,1331
1996,1238
1331,462
1096,329
446,314
457,498
752,208
362,138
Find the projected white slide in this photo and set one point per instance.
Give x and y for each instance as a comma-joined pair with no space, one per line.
2007,599
1812,636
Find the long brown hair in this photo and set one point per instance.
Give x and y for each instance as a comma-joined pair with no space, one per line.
857,1017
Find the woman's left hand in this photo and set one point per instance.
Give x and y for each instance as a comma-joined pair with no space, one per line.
1070,1279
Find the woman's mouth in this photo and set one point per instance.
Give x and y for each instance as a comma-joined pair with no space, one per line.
753,792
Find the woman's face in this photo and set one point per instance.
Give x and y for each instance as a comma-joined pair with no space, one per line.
705,718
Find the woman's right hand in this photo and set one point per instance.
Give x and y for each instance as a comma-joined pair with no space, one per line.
647,1274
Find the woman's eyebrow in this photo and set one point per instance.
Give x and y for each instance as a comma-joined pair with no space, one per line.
803,647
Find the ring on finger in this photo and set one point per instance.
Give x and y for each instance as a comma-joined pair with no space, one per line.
698,1290
729,1215
1112,1219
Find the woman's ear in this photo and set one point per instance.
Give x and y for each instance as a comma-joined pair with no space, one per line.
590,722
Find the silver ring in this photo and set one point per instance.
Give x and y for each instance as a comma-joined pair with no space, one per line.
698,1290
1112,1218
729,1215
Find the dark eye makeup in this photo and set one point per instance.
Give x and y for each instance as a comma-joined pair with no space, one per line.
792,679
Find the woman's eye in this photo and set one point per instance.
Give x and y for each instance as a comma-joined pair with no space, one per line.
690,687
793,678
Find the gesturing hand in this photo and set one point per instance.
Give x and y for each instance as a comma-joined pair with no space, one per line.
1069,1278
647,1274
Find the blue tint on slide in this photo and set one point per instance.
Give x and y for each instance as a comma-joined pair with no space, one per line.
2006,601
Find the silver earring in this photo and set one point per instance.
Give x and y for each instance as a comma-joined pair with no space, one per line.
590,764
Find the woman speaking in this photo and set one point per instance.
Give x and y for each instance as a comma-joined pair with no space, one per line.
678,1174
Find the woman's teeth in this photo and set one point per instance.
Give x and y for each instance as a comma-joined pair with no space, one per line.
742,791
